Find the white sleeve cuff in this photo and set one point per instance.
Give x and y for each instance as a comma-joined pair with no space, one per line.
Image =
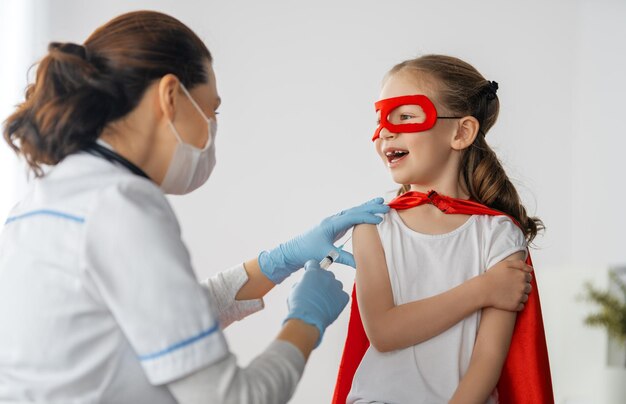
184,357
222,289
504,254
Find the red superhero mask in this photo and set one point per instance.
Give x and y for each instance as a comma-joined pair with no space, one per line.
407,114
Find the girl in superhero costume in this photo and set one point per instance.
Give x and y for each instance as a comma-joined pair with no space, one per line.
456,215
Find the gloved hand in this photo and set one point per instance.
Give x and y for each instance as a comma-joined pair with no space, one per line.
317,299
288,257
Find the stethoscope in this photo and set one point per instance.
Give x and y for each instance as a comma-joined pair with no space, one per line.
98,150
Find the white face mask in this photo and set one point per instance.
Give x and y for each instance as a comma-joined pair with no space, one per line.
190,167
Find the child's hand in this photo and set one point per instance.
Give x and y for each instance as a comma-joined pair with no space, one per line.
508,285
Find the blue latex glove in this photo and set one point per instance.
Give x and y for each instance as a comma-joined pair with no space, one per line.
317,299
288,257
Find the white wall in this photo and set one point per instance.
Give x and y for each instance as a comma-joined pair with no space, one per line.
598,134
298,82
19,26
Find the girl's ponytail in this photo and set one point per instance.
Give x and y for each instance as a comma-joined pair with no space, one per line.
488,184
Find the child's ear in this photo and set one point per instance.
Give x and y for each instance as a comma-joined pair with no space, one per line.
466,133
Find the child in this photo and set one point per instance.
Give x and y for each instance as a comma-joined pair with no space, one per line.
434,114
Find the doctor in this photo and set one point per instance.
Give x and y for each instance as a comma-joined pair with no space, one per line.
98,299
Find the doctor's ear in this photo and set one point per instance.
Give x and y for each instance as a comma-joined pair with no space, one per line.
167,90
466,133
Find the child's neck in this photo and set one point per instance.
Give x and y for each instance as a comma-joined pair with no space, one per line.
428,219
451,190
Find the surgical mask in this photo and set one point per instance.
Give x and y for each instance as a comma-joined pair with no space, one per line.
190,167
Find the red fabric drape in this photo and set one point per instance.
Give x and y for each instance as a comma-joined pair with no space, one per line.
525,377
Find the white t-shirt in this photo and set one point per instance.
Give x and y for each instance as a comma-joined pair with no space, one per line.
421,266
98,299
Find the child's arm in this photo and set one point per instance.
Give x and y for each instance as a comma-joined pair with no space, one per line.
391,327
490,351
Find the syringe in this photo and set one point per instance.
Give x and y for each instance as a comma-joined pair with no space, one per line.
332,255
330,258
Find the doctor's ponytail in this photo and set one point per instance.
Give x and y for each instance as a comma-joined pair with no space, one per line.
463,91
80,89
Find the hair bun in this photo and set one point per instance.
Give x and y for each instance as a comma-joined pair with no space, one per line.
492,89
69,48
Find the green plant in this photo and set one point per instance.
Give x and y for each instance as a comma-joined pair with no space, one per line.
612,314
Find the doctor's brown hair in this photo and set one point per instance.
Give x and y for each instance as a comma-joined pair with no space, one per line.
80,89
463,91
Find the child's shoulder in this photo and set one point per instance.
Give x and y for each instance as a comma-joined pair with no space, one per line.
501,223
501,238
368,231
500,230
366,228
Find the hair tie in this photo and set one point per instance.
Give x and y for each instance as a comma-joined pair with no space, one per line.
492,89
69,48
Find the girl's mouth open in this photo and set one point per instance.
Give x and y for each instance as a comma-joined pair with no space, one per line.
395,156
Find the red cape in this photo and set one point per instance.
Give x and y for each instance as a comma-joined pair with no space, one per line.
525,376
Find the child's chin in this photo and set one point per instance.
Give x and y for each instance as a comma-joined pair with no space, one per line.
402,179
